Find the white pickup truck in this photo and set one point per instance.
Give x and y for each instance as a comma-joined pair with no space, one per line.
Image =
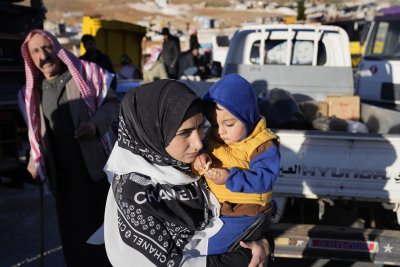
338,193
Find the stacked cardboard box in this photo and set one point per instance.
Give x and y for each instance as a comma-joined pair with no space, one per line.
344,107
341,107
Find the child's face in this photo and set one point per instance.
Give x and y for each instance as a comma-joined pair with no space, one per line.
226,127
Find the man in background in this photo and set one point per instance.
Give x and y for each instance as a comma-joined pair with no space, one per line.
94,55
193,40
170,53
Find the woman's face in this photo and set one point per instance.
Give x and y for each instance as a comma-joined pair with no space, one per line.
186,144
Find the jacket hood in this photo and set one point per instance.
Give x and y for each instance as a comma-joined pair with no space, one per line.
235,94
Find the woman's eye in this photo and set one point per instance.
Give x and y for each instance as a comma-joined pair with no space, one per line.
229,124
184,134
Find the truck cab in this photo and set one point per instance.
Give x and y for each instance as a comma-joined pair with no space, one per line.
378,76
313,56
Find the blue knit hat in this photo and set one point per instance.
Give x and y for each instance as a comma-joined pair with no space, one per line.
235,93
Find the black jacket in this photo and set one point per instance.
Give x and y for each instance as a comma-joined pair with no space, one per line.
187,60
171,51
100,59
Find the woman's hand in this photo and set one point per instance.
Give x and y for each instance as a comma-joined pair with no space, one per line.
260,250
201,162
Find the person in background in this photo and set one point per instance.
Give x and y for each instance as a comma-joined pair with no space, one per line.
128,71
189,59
244,158
153,68
93,54
193,40
171,52
69,109
206,64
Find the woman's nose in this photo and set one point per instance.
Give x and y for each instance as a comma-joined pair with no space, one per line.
196,141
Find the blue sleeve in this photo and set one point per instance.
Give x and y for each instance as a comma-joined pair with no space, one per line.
264,169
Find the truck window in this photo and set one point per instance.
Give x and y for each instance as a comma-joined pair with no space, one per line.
276,52
255,53
223,40
303,53
385,41
380,37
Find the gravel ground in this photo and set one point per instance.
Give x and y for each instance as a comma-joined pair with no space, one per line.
20,238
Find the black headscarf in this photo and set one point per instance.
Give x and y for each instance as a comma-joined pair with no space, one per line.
150,117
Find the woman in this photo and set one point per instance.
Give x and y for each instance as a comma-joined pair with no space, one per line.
158,213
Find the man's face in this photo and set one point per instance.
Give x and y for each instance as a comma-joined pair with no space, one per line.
90,46
43,56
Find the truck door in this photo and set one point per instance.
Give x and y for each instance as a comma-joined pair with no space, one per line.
377,75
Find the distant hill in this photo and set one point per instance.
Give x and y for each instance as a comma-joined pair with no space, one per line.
70,11
118,9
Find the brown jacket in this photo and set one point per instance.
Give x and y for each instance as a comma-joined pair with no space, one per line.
92,149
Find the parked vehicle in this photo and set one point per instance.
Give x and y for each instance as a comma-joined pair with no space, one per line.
357,30
115,38
378,76
338,193
16,21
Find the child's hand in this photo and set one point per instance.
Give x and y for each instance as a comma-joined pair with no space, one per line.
217,175
201,162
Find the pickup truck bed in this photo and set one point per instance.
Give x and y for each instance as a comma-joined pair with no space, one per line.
345,174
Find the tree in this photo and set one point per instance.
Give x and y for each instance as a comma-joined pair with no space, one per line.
301,10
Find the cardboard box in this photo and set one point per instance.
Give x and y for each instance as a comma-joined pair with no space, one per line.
311,109
344,107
